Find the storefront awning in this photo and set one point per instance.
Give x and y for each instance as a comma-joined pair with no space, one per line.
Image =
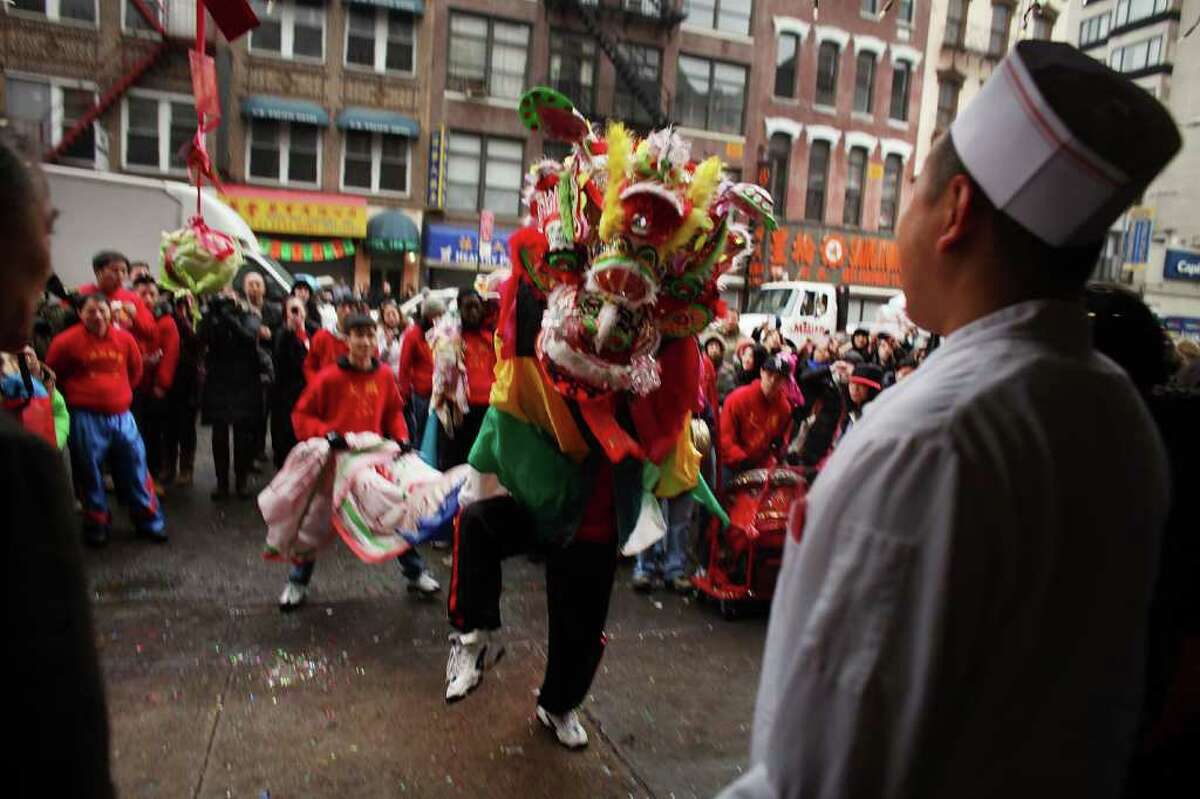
378,121
411,6
392,231
283,109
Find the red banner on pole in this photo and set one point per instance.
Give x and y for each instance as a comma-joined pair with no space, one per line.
233,17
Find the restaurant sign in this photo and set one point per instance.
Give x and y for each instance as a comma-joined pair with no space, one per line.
828,255
299,213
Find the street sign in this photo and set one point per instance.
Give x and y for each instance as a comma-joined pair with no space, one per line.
435,193
1139,226
1181,265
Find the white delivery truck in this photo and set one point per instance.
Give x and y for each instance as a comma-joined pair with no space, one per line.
106,211
811,310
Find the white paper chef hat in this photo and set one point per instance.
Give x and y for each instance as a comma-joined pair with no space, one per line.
1025,140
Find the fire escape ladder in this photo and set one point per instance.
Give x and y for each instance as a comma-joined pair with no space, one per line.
625,70
114,92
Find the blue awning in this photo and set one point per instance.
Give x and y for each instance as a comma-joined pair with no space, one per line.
392,231
377,121
282,109
411,6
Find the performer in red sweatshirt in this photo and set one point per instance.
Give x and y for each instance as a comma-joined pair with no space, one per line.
128,310
326,346
158,374
97,366
355,395
754,418
479,358
416,367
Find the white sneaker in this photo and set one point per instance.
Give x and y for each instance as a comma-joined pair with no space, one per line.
470,654
567,727
424,584
293,596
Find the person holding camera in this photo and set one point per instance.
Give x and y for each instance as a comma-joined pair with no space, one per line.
292,343
233,395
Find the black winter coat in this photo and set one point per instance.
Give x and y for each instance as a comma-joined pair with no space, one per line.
290,353
233,386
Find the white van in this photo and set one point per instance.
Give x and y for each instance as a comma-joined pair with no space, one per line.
809,310
106,211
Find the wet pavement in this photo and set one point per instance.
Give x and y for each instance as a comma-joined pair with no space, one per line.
213,692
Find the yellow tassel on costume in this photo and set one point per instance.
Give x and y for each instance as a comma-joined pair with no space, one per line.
704,184
619,149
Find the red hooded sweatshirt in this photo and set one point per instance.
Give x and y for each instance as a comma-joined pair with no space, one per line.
342,399
96,373
416,363
750,423
479,355
159,367
144,330
324,350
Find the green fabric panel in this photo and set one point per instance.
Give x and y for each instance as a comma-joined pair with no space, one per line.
62,418
704,495
549,484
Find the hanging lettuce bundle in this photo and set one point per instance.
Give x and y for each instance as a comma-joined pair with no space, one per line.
198,259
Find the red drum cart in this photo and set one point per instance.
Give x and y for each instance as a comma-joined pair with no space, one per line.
744,559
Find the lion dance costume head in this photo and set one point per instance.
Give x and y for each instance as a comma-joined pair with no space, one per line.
626,238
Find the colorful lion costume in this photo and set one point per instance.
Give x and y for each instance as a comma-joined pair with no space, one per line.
614,275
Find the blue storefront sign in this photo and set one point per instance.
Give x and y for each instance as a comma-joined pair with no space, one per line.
1187,326
1182,265
454,245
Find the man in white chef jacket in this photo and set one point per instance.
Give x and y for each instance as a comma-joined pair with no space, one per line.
964,616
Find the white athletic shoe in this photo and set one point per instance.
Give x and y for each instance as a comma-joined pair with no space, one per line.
293,596
424,584
470,654
567,727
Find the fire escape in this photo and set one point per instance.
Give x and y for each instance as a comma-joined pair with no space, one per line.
599,18
130,62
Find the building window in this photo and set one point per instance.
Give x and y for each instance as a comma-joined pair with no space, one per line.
956,23
868,8
889,203
1001,22
731,16
484,173
156,129
285,152
779,153
901,76
646,63
573,67
856,179
947,106
59,10
1139,55
375,162
133,19
904,14
45,110
487,56
1093,29
380,39
787,48
864,82
827,73
1132,10
289,28
710,95
818,177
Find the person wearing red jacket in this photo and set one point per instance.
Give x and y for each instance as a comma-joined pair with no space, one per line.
158,374
416,367
98,365
128,310
479,358
755,418
327,347
355,395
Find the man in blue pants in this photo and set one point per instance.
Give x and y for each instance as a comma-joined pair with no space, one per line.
97,366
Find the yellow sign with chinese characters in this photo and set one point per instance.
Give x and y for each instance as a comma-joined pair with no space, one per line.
276,212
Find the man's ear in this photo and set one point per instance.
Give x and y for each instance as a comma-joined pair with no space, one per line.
957,213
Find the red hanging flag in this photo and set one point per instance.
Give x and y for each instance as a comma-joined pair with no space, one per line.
204,88
233,17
